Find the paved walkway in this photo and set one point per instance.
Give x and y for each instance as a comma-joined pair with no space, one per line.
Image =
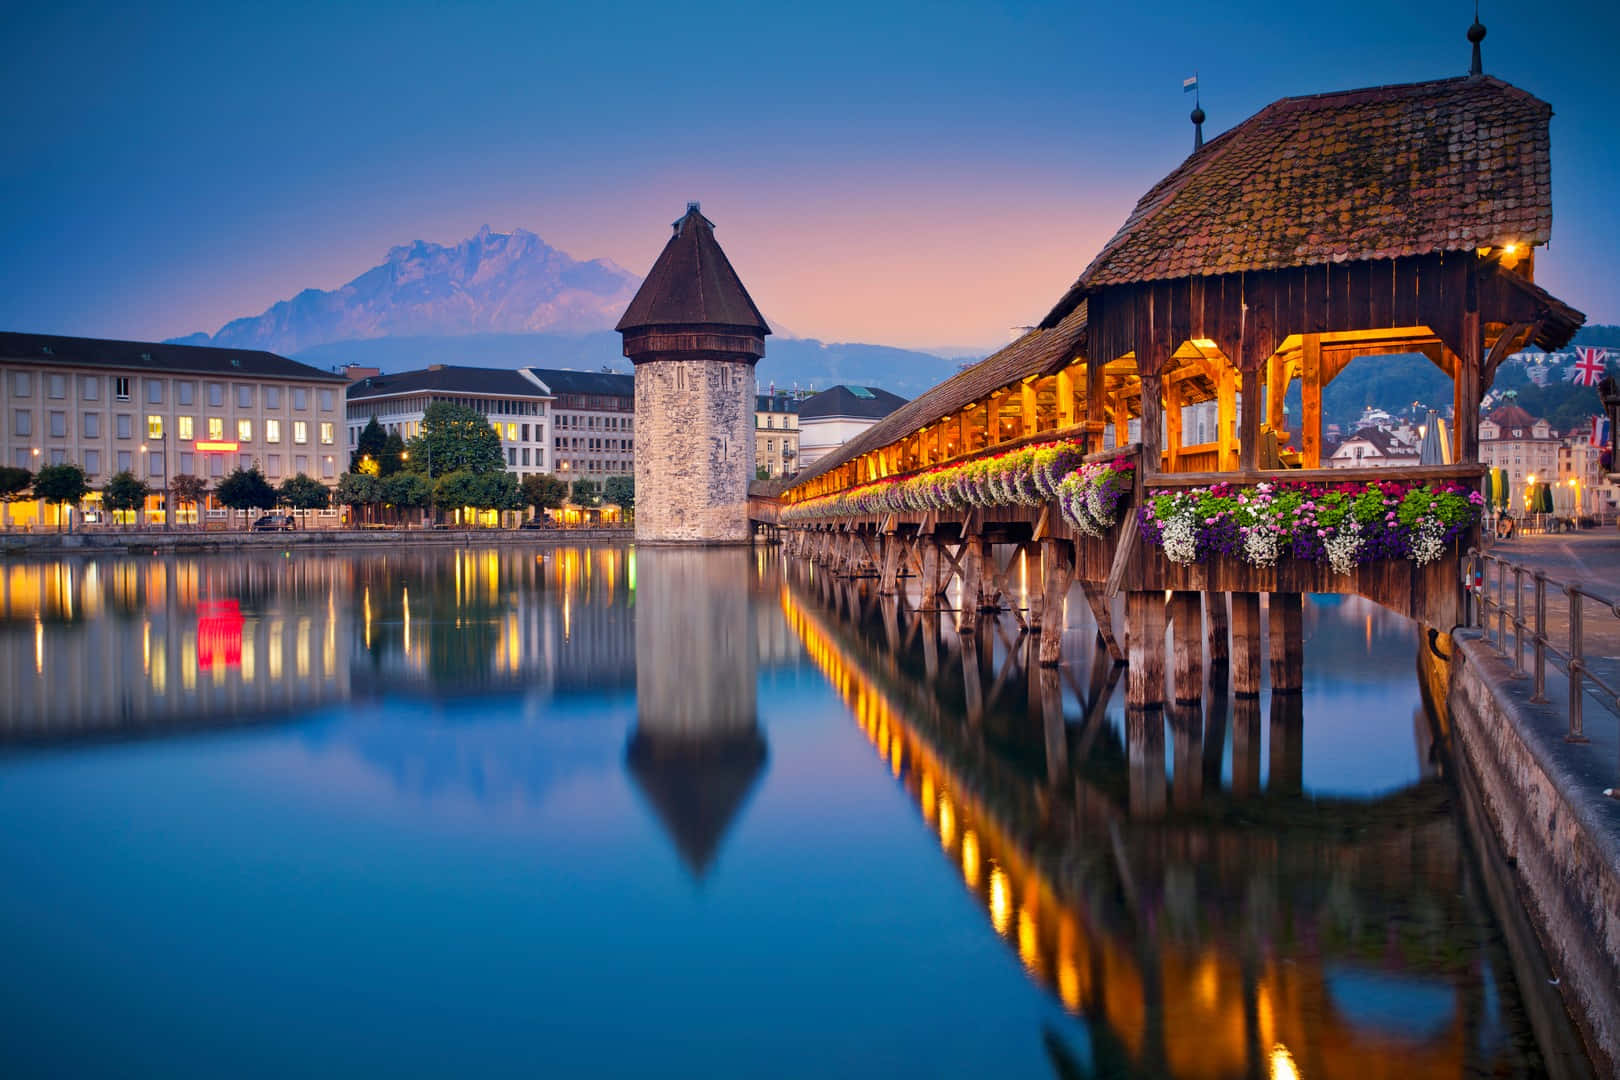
1592,559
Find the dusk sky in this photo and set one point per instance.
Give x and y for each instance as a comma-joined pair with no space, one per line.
921,174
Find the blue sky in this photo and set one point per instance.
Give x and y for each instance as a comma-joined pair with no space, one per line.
917,174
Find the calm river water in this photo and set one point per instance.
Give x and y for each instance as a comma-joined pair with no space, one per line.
595,812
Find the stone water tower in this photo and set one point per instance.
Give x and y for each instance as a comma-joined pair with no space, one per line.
694,336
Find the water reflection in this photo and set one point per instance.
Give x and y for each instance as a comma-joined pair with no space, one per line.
1202,916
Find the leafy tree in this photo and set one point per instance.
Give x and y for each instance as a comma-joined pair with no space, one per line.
245,489
406,490
499,491
14,483
761,472
544,491
303,492
124,491
188,489
621,492
454,438
584,492
371,443
455,490
392,458
63,485
358,491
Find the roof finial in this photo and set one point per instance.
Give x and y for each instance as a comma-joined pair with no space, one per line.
1191,85
1476,34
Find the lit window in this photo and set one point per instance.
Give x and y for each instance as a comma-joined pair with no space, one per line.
272,431
244,431
216,428
511,433
183,427
327,435
300,430
154,427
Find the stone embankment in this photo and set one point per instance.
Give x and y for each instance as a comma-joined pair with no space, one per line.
156,542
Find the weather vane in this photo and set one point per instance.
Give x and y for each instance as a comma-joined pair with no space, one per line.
1190,86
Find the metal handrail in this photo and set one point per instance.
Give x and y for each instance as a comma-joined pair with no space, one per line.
1571,657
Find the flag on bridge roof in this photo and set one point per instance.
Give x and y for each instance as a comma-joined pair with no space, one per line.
1189,85
1600,431
1590,362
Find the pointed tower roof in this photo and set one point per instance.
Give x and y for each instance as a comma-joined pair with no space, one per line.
696,786
692,284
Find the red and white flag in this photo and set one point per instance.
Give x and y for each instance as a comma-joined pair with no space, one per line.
1590,362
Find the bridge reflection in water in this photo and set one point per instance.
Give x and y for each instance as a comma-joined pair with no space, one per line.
1200,926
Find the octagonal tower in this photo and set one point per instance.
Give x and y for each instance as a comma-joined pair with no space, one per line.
694,335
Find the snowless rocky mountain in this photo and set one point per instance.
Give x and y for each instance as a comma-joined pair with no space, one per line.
489,283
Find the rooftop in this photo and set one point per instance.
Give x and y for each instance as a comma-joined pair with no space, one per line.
155,356
600,383
447,379
861,402
692,284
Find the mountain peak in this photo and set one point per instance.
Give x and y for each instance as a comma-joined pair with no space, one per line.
488,283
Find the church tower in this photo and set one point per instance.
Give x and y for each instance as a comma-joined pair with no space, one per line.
694,335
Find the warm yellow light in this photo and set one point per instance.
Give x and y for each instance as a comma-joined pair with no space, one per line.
1000,899
1511,249
970,858
1282,1064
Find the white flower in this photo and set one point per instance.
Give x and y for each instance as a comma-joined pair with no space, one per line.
1344,545
1261,546
1426,543
1181,538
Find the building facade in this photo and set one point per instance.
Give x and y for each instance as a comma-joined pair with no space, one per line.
694,335
594,422
517,404
1521,445
160,411
833,417
1372,446
776,433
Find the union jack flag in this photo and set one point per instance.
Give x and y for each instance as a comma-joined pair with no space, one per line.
1590,362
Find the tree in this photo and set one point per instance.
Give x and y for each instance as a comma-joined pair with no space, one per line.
245,489
303,492
188,489
371,443
357,491
63,485
406,491
621,492
584,492
499,491
544,491
14,483
762,472
456,490
455,437
393,454
124,492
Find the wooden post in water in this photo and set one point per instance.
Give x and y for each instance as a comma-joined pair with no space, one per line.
1144,742
1246,644
889,582
1245,746
1057,571
1216,623
928,586
1287,642
1144,686
1187,636
1287,745
1056,732
967,613
1187,750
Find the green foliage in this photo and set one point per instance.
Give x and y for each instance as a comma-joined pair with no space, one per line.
620,491
761,472
455,490
584,492
245,489
14,483
499,491
406,490
456,438
61,484
188,489
358,489
372,442
481,491
393,454
304,493
124,492
544,491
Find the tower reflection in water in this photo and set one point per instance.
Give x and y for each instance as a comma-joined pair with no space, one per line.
1197,930
697,751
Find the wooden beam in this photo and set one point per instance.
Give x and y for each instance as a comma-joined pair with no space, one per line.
1226,419
1102,612
1144,614
1028,407
1246,644
1172,423
1187,632
1067,410
1310,387
1287,642
1152,435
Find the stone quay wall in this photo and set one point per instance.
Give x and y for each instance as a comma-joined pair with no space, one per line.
694,450
1544,798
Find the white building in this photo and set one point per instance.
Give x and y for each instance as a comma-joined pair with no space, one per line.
833,417
1520,444
517,404
1373,446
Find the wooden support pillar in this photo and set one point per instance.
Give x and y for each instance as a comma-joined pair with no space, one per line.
972,586
1287,745
889,581
972,680
930,643
1056,733
1246,644
1467,387
1249,422
1096,406
1287,643
1187,634
1121,421
1028,407
1172,425
1215,710
1245,747
1276,391
928,585
1144,613
1144,748
1216,624
1310,411
1057,572
1152,435
1102,613
1187,753
1226,419
1067,411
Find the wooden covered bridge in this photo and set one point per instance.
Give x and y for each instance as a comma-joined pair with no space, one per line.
1321,231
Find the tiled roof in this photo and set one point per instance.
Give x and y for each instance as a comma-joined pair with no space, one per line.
447,379
779,402
692,284
1039,352
599,383
1379,173
156,356
862,402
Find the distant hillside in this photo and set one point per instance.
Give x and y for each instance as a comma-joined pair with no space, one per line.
788,361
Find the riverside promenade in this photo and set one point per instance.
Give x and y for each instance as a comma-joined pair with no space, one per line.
159,542
1548,788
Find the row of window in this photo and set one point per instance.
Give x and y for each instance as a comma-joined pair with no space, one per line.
594,444
153,463
185,391
623,467
56,424
605,423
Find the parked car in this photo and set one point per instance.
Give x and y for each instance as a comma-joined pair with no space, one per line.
274,523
